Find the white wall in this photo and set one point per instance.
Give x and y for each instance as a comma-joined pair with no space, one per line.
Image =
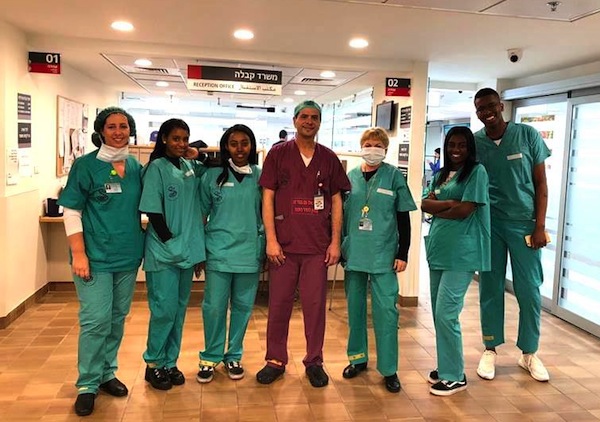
23,267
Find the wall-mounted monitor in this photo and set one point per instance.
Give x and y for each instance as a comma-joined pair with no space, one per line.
385,115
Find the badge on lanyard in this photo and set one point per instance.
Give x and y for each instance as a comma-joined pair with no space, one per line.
365,223
319,199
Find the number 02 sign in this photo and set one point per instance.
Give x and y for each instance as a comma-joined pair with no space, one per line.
44,63
397,87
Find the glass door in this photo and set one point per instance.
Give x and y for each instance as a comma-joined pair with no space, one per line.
579,270
550,120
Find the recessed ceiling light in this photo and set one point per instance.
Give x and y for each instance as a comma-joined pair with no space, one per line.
122,26
358,43
327,74
143,62
243,34
288,100
170,92
299,92
162,84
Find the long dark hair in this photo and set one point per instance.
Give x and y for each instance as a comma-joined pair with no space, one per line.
224,152
471,161
160,147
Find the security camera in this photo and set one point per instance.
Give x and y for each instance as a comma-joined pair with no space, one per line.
515,55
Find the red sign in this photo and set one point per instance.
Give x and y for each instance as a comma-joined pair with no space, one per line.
397,87
44,63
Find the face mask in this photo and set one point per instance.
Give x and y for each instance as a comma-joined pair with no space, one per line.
110,154
373,156
241,170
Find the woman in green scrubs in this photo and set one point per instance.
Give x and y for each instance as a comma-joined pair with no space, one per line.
174,245
375,247
458,244
235,246
106,241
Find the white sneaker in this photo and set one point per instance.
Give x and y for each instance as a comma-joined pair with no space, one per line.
487,365
530,362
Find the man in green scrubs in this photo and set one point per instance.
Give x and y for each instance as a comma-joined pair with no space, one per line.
513,155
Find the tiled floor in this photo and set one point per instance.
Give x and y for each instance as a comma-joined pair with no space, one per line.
38,370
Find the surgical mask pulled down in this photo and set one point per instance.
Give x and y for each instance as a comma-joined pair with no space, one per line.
110,154
373,156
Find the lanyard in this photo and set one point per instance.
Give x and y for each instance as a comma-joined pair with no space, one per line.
370,184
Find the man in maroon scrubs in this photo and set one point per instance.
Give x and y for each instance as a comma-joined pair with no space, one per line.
302,185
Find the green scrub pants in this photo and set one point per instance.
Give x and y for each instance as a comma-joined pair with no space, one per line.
384,296
168,296
448,289
220,290
104,302
527,278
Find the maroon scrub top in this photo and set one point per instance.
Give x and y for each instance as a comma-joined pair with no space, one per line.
299,227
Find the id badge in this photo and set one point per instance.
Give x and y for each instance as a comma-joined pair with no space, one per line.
319,202
113,187
365,224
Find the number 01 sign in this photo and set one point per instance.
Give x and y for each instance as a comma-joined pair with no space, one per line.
44,63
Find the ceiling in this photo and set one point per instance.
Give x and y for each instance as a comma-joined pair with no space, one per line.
464,41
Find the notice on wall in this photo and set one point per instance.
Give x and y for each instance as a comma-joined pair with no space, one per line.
405,116
403,155
12,166
72,118
24,134
23,106
231,79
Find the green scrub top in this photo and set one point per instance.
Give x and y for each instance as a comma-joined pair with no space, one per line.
386,193
461,244
510,169
175,194
112,231
235,240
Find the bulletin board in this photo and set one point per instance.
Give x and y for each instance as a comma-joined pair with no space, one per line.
71,131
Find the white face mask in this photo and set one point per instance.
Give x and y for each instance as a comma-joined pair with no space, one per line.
110,154
241,170
373,156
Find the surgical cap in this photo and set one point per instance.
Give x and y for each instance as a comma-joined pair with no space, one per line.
307,104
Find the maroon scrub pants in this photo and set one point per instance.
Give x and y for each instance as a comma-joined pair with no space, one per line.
309,274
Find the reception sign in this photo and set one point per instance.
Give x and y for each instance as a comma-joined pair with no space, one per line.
231,79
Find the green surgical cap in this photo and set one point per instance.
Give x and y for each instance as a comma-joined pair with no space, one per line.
103,115
307,104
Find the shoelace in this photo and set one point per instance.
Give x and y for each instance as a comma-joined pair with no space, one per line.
159,374
234,365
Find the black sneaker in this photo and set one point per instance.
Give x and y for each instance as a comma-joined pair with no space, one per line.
269,374
235,370
354,369
392,383
158,378
84,405
434,377
176,376
447,388
205,374
317,376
